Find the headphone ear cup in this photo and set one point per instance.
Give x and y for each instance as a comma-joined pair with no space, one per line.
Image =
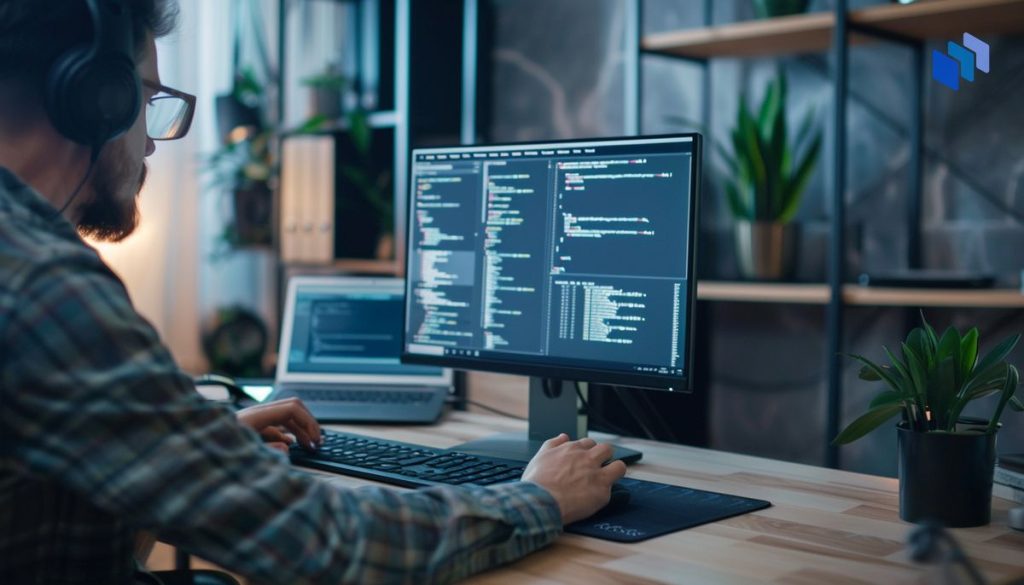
93,100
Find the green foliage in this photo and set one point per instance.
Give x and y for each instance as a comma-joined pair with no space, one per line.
766,180
933,379
330,78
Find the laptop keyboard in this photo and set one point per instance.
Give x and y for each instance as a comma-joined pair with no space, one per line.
365,396
404,464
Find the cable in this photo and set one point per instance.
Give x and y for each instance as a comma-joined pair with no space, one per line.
88,173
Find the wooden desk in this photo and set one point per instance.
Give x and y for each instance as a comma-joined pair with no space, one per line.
825,527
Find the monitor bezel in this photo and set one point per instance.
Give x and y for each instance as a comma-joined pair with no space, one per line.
683,383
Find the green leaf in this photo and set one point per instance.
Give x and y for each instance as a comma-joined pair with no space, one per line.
869,375
942,391
898,365
981,384
1016,404
968,353
919,378
886,397
771,105
312,125
868,422
933,340
753,150
739,207
882,374
917,340
999,352
1012,381
360,132
798,181
949,347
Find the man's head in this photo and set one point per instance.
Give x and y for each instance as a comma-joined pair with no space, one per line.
34,34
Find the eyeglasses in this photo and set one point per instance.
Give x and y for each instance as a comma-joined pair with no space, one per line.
169,112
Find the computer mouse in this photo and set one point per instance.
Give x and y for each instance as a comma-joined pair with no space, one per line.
620,498
1016,518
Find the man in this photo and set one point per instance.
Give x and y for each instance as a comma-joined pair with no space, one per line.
101,435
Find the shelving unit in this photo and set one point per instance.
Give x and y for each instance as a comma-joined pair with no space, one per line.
417,61
813,32
910,26
855,295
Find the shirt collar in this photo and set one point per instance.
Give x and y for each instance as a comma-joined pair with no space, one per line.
24,201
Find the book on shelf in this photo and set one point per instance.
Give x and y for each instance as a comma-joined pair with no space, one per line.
1008,477
1008,493
307,199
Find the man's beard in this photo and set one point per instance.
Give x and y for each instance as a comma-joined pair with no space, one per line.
112,216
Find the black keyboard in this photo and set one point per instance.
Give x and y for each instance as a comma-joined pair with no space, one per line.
372,396
404,464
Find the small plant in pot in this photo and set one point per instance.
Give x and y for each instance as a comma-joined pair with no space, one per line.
946,460
765,180
327,92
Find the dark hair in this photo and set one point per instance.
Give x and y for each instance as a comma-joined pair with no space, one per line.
34,33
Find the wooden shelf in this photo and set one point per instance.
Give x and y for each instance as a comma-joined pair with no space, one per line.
381,119
800,33
763,292
812,32
931,297
855,295
348,266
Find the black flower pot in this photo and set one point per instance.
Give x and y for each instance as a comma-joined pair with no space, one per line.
946,477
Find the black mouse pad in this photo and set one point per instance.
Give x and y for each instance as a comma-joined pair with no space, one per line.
655,509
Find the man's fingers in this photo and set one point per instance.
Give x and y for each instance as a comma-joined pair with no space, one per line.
290,413
601,453
586,443
613,472
300,429
555,441
274,435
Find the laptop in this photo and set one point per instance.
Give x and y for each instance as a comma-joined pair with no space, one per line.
341,338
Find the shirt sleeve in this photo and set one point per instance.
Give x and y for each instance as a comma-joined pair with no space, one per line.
94,401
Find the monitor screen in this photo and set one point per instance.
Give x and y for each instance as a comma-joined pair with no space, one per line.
342,330
569,260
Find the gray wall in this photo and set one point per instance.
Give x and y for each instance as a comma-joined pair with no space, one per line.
558,73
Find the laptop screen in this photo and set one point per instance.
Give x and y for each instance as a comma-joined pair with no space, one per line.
347,328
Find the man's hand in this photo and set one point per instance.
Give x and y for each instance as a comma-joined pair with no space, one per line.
572,472
273,419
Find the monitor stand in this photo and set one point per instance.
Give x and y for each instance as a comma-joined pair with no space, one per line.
554,409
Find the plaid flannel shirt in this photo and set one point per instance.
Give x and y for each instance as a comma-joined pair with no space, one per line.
101,435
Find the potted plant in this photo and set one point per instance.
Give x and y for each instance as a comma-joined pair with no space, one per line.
244,167
245,170
327,92
767,174
946,460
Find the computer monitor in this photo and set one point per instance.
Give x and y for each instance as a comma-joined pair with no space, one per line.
567,261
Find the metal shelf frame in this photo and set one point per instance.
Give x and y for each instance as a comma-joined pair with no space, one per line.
843,30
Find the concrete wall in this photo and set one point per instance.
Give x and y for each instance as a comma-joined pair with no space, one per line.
558,73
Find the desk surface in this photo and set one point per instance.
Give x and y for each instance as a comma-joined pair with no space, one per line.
825,526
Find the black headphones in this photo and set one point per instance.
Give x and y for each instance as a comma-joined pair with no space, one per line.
93,93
